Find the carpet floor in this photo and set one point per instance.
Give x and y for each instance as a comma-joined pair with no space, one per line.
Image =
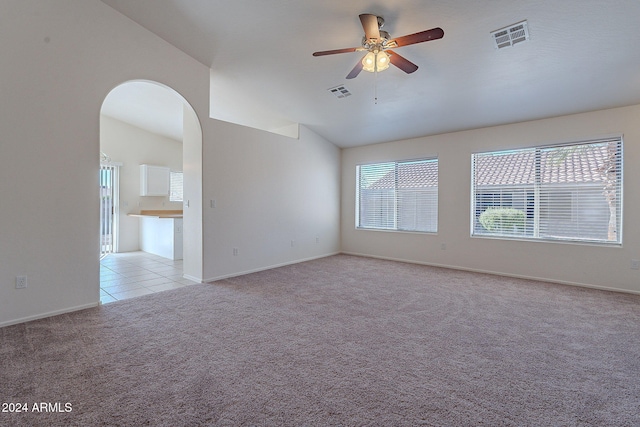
338,341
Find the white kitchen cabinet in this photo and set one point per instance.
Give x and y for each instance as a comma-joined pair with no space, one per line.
154,180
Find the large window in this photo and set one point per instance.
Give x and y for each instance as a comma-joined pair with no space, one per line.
565,192
399,196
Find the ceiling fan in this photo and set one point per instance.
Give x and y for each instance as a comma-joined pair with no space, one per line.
378,45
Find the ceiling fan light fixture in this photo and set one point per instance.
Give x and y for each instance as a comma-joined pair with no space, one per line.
375,61
382,61
369,62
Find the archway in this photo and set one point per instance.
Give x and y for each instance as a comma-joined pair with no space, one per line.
146,122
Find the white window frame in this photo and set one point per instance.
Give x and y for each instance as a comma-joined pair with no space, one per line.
394,225
535,229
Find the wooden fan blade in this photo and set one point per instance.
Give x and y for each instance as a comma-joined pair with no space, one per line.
333,52
422,36
356,70
401,62
370,26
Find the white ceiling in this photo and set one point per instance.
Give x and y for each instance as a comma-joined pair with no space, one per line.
582,55
148,106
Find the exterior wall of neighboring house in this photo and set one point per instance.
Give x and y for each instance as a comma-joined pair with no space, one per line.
574,212
379,203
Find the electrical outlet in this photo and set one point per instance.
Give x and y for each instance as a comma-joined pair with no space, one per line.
236,252
635,264
317,240
443,246
21,282
293,243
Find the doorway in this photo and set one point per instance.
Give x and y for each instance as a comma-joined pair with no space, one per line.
160,110
109,186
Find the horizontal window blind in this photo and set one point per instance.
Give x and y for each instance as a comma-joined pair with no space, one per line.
566,192
176,184
399,196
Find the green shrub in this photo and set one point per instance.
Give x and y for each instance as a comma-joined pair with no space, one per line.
503,220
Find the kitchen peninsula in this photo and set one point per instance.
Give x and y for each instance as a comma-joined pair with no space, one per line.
161,232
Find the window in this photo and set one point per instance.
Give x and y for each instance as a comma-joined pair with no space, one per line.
175,186
399,196
570,192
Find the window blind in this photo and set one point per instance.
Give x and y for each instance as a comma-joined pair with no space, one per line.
565,192
176,186
399,196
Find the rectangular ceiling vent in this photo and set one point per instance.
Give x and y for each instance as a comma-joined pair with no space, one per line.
340,91
511,35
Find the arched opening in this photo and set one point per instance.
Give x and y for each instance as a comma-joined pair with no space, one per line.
150,193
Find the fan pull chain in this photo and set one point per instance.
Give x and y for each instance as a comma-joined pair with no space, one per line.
375,87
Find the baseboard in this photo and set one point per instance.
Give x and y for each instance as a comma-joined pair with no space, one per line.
48,314
256,270
498,273
192,278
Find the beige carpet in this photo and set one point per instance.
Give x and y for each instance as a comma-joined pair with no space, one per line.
343,341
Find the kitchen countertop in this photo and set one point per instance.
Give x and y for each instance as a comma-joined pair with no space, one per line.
158,214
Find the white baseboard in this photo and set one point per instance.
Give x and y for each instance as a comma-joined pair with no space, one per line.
242,273
192,278
498,273
48,314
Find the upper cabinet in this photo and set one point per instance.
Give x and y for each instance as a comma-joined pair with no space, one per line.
154,180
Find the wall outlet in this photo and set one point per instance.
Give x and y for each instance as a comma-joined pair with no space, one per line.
317,240
635,264
443,246
21,282
236,252
293,243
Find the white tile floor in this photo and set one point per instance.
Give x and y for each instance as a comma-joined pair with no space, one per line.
131,274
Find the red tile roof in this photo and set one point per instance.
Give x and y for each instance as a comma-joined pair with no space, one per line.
571,165
410,175
556,167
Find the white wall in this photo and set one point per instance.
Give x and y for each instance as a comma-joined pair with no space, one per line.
268,190
192,161
132,146
599,266
59,61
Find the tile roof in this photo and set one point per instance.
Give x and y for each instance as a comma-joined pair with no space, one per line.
410,175
556,166
583,164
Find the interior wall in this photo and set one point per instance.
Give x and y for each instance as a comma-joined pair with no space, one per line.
132,146
591,265
60,60
192,267
275,199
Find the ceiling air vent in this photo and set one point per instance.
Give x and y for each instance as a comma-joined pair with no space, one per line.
340,91
511,35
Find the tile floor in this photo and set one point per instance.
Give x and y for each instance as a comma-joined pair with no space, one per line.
132,274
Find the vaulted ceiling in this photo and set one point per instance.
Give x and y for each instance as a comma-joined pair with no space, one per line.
581,55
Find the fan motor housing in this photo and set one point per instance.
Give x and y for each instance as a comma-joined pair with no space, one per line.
382,42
